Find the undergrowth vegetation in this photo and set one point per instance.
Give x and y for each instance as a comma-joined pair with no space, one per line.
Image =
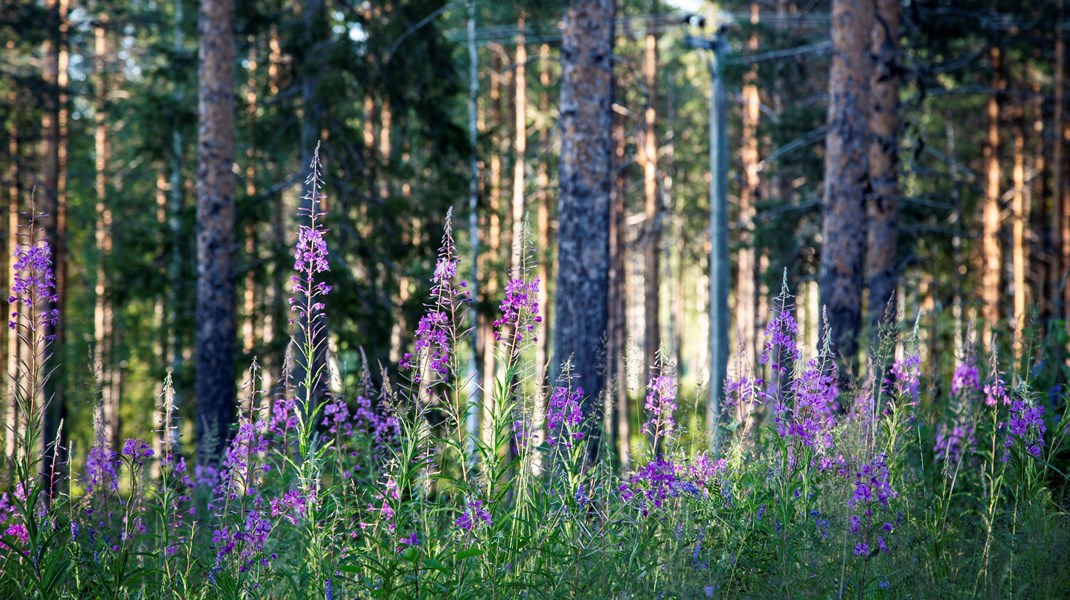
824,486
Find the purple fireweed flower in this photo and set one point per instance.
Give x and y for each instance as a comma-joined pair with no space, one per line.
384,503
564,416
965,379
473,516
742,391
780,349
239,462
284,416
520,310
953,441
291,506
660,407
137,451
33,286
101,470
657,482
995,392
904,378
869,501
704,472
435,333
310,253
810,416
1025,426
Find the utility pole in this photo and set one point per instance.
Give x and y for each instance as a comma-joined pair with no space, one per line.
717,45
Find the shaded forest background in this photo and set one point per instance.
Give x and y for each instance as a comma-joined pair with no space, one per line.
100,116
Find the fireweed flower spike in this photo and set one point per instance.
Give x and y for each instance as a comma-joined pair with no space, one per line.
660,407
435,333
564,416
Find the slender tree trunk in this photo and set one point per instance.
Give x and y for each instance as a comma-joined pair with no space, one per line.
12,349
494,241
616,380
1018,244
1058,267
883,205
542,346
652,241
276,323
472,420
216,331
103,329
520,146
991,253
583,204
55,388
174,222
249,292
846,179
746,295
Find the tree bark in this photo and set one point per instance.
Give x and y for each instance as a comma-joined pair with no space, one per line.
616,319
216,330
103,316
991,252
583,205
13,347
746,295
520,146
652,242
846,178
883,205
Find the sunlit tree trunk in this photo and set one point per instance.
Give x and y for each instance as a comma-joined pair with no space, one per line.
616,381
883,205
103,317
746,295
249,291
520,147
542,346
55,388
843,223
14,205
652,238
216,300
494,242
991,252
1019,213
583,204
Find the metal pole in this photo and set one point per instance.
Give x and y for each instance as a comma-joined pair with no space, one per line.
718,236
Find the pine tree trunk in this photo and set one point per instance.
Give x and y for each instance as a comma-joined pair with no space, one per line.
249,292
1058,264
1018,244
883,205
56,405
520,147
746,295
846,178
542,346
12,349
492,259
616,379
652,241
583,205
991,253
103,326
216,329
